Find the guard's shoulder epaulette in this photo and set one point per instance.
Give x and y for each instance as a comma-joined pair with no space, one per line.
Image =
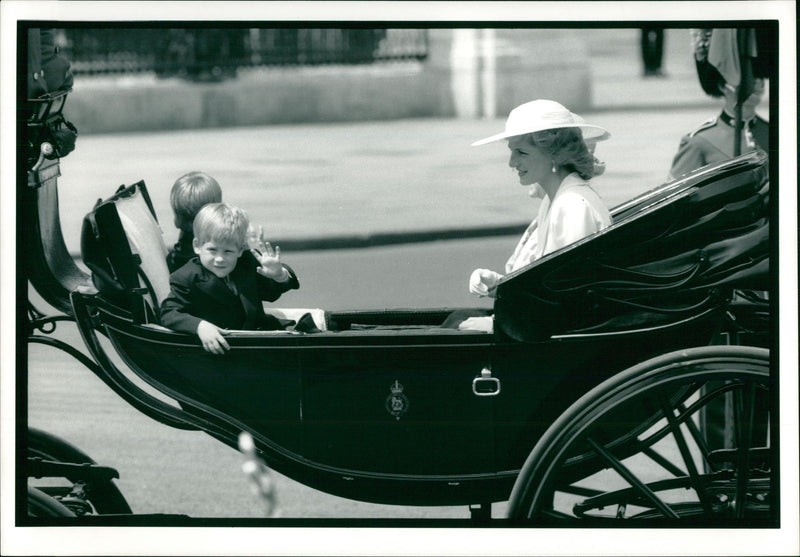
710,123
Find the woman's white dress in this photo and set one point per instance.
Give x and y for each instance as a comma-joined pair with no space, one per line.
576,211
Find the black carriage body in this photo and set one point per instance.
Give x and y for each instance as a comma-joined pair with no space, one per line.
386,406
389,416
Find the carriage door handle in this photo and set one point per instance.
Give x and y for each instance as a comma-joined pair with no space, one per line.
486,385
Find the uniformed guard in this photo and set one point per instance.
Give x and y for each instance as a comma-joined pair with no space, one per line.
714,139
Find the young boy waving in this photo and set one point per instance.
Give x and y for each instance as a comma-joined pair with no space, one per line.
223,286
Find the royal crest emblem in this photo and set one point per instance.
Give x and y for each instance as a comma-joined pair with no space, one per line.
397,403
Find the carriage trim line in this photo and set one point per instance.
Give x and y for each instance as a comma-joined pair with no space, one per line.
254,335
627,332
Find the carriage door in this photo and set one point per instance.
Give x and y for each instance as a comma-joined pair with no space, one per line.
404,409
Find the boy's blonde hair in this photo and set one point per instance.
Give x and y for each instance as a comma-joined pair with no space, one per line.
221,223
189,194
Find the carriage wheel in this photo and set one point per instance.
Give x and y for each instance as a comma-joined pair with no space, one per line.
635,446
80,496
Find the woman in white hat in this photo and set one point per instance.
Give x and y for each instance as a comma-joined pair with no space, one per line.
550,148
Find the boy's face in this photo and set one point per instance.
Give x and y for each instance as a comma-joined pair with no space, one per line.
218,257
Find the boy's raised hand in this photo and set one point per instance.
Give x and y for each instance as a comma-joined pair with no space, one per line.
211,337
269,258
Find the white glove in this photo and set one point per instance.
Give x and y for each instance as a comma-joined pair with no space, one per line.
482,282
485,324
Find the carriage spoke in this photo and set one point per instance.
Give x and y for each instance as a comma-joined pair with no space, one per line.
632,479
685,417
677,434
745,402
629,495
663,462
578,490
700,441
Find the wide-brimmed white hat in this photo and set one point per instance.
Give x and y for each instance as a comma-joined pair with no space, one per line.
541,115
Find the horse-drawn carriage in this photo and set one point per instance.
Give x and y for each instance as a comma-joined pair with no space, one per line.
607,358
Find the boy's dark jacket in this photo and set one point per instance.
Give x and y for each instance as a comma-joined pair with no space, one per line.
181,253
196,294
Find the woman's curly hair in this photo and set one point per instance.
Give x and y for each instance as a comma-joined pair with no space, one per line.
568,149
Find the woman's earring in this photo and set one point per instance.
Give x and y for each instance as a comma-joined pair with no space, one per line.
554,167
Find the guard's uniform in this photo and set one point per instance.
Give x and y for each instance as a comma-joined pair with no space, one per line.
712,142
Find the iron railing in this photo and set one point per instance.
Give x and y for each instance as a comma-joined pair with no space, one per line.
216,53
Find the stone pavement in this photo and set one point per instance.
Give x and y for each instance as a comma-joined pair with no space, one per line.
618,83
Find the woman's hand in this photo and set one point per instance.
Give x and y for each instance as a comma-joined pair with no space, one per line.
269,259
211,337
482,282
